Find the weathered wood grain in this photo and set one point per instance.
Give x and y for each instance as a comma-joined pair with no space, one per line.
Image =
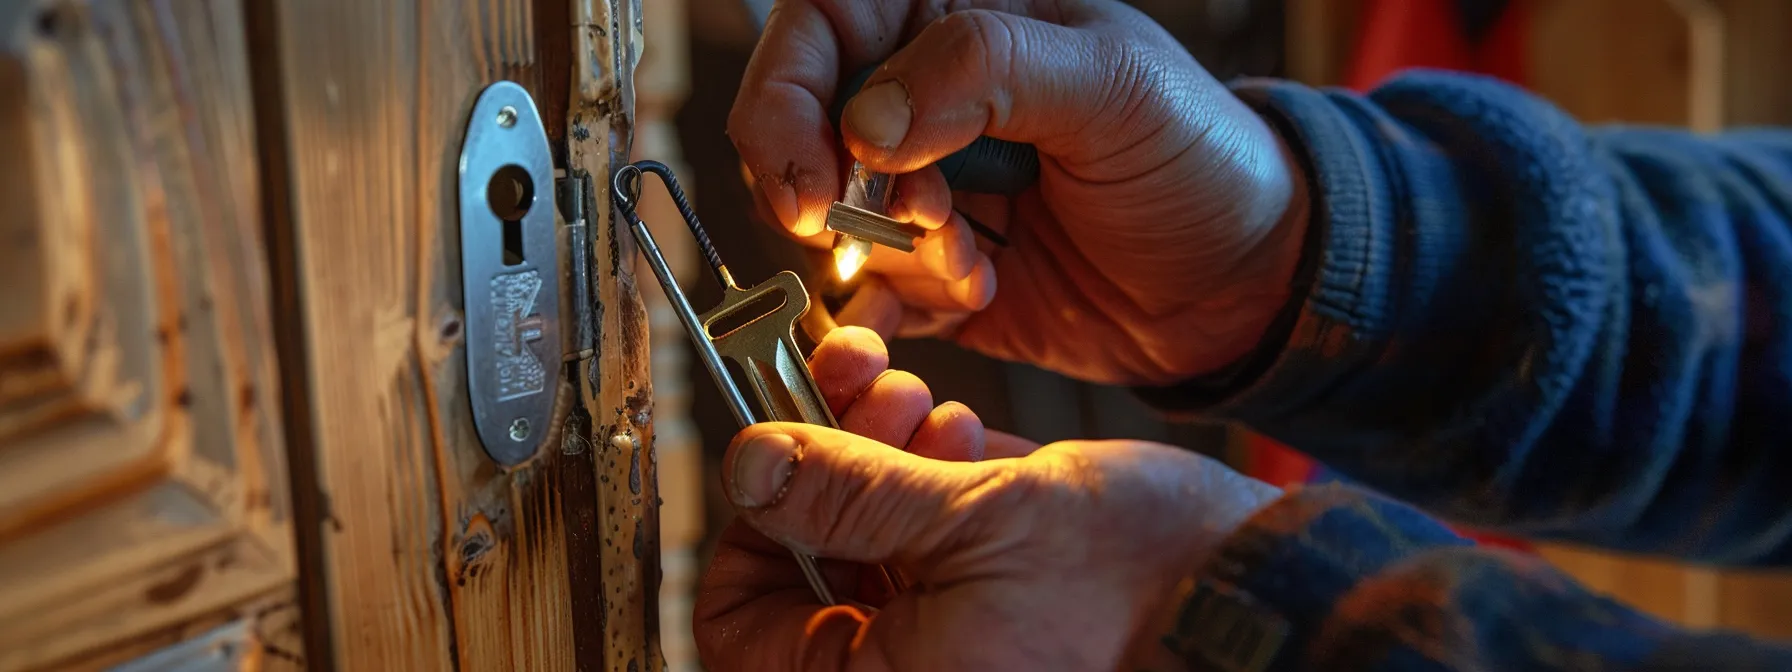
661,84
600,132
140,459
351,78
257,635
433,556
1320,37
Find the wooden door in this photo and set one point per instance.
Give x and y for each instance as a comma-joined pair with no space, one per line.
235,418
143,481
430,554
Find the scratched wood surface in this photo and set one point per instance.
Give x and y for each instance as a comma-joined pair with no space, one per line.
142,475
601,127
433,557
662,82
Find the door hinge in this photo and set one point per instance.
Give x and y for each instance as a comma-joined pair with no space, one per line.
574,196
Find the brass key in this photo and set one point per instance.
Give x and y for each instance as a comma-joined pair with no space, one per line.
754,327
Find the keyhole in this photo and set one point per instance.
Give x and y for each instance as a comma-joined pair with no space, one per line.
510,193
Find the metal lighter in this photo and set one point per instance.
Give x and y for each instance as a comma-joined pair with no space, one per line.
861,218
754,327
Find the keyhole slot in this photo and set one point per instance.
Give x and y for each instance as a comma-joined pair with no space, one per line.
747,312
510,193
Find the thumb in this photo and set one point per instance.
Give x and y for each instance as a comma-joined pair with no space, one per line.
838,495
979,72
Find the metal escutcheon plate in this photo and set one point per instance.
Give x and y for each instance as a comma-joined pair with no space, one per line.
510,273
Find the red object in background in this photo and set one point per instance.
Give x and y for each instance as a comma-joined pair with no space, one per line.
1400,34
1396,35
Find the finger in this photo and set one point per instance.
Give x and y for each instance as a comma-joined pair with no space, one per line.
750,589
972,293
779,121
951,432
1000,445
845,363
834,494
974,73
948,253
746,560
923,198
890,410
991,211
930,323
872,306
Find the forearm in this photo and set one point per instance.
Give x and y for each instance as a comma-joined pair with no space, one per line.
1332,578
1519,324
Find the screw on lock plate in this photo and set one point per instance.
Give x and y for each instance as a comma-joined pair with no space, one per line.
510,273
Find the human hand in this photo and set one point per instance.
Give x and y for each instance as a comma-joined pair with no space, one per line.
1167,222
1055,558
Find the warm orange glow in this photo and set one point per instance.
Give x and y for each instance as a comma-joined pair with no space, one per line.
850,255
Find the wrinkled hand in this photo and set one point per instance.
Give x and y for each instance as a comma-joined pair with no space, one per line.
1049,559
1167,223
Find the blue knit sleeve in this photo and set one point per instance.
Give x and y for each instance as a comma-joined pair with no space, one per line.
1526,325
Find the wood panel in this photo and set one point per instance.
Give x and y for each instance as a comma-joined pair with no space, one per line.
661,84
431,556
142,477
1612,60
600,135
1757,61
1321,38
258,635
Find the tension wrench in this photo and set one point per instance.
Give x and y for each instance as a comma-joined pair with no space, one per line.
757,332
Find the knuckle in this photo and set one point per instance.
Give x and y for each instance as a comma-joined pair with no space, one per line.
1139,74
1006,508
896,383
1065,464
1000,489
982,33
863,505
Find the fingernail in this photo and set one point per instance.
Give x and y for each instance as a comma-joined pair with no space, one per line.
782,199
979,288
950,250
872,306
880,114
762,466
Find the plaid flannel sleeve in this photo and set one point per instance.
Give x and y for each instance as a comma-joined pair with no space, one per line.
1335,578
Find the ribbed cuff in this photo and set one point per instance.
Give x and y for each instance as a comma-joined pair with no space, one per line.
1338,316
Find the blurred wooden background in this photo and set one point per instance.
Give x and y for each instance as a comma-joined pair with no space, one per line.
234,426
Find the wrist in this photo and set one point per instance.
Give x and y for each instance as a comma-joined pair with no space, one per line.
1270,284
1186,615
1284,248
1204,622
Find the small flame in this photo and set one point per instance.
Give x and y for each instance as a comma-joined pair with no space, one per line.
850,255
